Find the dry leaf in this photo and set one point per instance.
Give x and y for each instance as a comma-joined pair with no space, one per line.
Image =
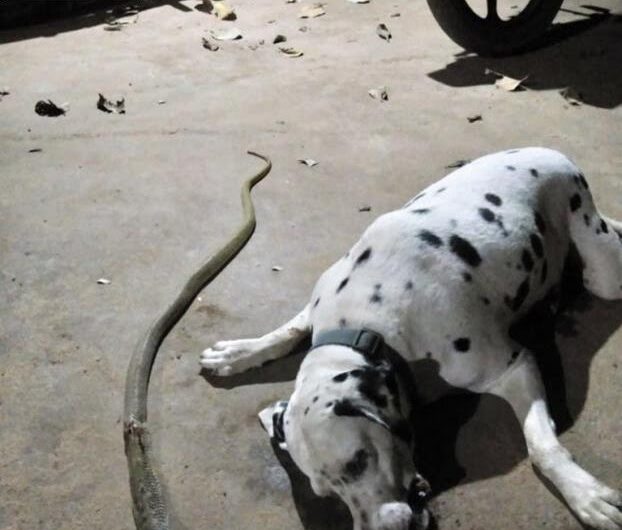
227,34
308,162
210,45
104,281
291,52
277,268
49,108
279,38
474,118
383,32
223,11
106,105
379,93
508,84
312,11
571,96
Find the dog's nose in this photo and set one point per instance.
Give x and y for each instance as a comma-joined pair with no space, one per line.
394,516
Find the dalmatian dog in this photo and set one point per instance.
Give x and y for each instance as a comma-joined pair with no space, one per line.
442,278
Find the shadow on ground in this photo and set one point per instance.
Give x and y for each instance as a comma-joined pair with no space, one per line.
466,423
584,54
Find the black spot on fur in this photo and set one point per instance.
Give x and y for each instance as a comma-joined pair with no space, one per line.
513,357
315,398
377,286
604,227
363,257
440,190
420,210
510,168
487,215
371,382
306,411
511,151
467,277
527,260
485,300
583,181
409,285
586,219
428,355
544,272
521,294
540,224
536,244
534,172
462,344
575,202
343,283
342,322
316,302
330,404
375,298
340,378
430,238
464,250
493,199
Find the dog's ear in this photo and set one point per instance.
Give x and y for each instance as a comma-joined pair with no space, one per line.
357,407
272,420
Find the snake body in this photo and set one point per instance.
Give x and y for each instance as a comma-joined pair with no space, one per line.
149,503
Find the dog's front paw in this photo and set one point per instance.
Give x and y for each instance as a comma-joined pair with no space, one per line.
597,506
228,357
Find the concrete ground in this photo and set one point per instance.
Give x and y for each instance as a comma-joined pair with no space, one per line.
141,198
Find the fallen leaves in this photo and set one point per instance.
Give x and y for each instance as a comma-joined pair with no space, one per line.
208,45
507,83
379,93
312,11
105,105
227,34
291,52
572,96
49,108
383,32
309,162
474,118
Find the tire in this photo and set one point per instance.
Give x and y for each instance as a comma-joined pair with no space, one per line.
492,36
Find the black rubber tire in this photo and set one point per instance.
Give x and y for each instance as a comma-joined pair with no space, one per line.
492,36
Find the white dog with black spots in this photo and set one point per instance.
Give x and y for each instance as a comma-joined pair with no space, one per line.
442,278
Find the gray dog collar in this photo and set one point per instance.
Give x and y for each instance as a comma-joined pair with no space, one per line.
363,340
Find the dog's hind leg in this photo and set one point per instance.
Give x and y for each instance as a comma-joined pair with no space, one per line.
593,503
599,242
234,356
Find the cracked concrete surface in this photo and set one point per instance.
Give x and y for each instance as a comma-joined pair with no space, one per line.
141,198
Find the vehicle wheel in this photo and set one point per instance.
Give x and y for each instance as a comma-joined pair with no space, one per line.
491,36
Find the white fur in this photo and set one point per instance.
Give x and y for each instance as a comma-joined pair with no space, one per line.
413,289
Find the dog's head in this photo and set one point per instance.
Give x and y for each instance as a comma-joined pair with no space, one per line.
348,431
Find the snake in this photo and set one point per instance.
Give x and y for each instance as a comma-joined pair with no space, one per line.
149,503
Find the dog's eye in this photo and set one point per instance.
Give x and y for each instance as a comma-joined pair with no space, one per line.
339,378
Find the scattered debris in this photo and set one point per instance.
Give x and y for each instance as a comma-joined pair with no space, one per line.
308,162
365,208
123,17
572,96
359,1
161,101
291,52
312,11
383,32
508,84
291,1
4,92
208,45
49,108
253,46
223,11
379,93
457,163
104,281
395,15
108,106
227,34
35,150
474,118
279,38
304,29
277,268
